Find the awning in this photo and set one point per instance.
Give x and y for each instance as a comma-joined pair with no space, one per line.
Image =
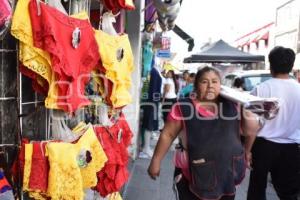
264,36
246,43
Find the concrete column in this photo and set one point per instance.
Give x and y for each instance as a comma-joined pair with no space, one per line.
132,111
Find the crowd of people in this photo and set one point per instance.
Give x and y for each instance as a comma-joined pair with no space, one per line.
210,159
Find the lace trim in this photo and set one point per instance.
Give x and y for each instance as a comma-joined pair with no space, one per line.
34,62
64,19
89,173
64,182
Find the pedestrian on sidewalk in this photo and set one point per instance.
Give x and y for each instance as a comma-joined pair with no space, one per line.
210,159
189,88
169,96
276,149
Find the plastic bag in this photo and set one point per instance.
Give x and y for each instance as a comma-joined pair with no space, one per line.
60,130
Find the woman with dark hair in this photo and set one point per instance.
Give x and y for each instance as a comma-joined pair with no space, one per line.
169,93
210,159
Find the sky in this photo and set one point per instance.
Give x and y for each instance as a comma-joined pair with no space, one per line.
221,19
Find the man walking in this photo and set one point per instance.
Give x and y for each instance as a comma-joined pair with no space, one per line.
276,148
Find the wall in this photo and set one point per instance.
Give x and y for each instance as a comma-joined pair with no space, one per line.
132,111
287,28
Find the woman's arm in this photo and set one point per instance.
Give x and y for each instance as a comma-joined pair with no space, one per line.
166,138
250,128
166,90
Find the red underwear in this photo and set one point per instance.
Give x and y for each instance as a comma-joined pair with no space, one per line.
114,174
34,78
38,179
54,32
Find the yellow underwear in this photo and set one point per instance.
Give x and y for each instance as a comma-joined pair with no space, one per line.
67,178
117,59
34,58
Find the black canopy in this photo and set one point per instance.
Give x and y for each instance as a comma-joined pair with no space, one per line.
221,52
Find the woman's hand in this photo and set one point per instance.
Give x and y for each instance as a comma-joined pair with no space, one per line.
249,160
154,169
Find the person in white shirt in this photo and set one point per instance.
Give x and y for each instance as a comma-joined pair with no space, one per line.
169,96
276,148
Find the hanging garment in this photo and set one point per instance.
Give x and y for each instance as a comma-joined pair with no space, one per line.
125,4
60,130
104,86
4,185
33,58
150,12
117,63
73,50
39,84
18,165
147,58
38,179
167,12
98,155
150,118
5,12
73,167
26,176
115,141
111,5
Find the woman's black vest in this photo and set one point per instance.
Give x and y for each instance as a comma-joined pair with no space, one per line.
216,155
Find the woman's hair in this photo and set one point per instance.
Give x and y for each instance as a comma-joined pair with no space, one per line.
202,71
174,80
238,82
281,60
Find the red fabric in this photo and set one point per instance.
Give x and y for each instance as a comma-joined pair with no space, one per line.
20,162
4,183
111,5
38,179
114,174
52,32
34,76
125,4
175,113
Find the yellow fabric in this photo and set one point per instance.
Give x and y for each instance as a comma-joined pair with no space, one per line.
34,58
115,196
89,141
66,179
27,166
118,71
79,127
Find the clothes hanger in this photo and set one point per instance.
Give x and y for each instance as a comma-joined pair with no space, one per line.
108,19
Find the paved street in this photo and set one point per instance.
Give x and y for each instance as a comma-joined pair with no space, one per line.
141,187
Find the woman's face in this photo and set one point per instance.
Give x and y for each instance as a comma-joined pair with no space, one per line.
209,86
169,74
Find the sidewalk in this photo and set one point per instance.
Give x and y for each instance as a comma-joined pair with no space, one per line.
141,187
